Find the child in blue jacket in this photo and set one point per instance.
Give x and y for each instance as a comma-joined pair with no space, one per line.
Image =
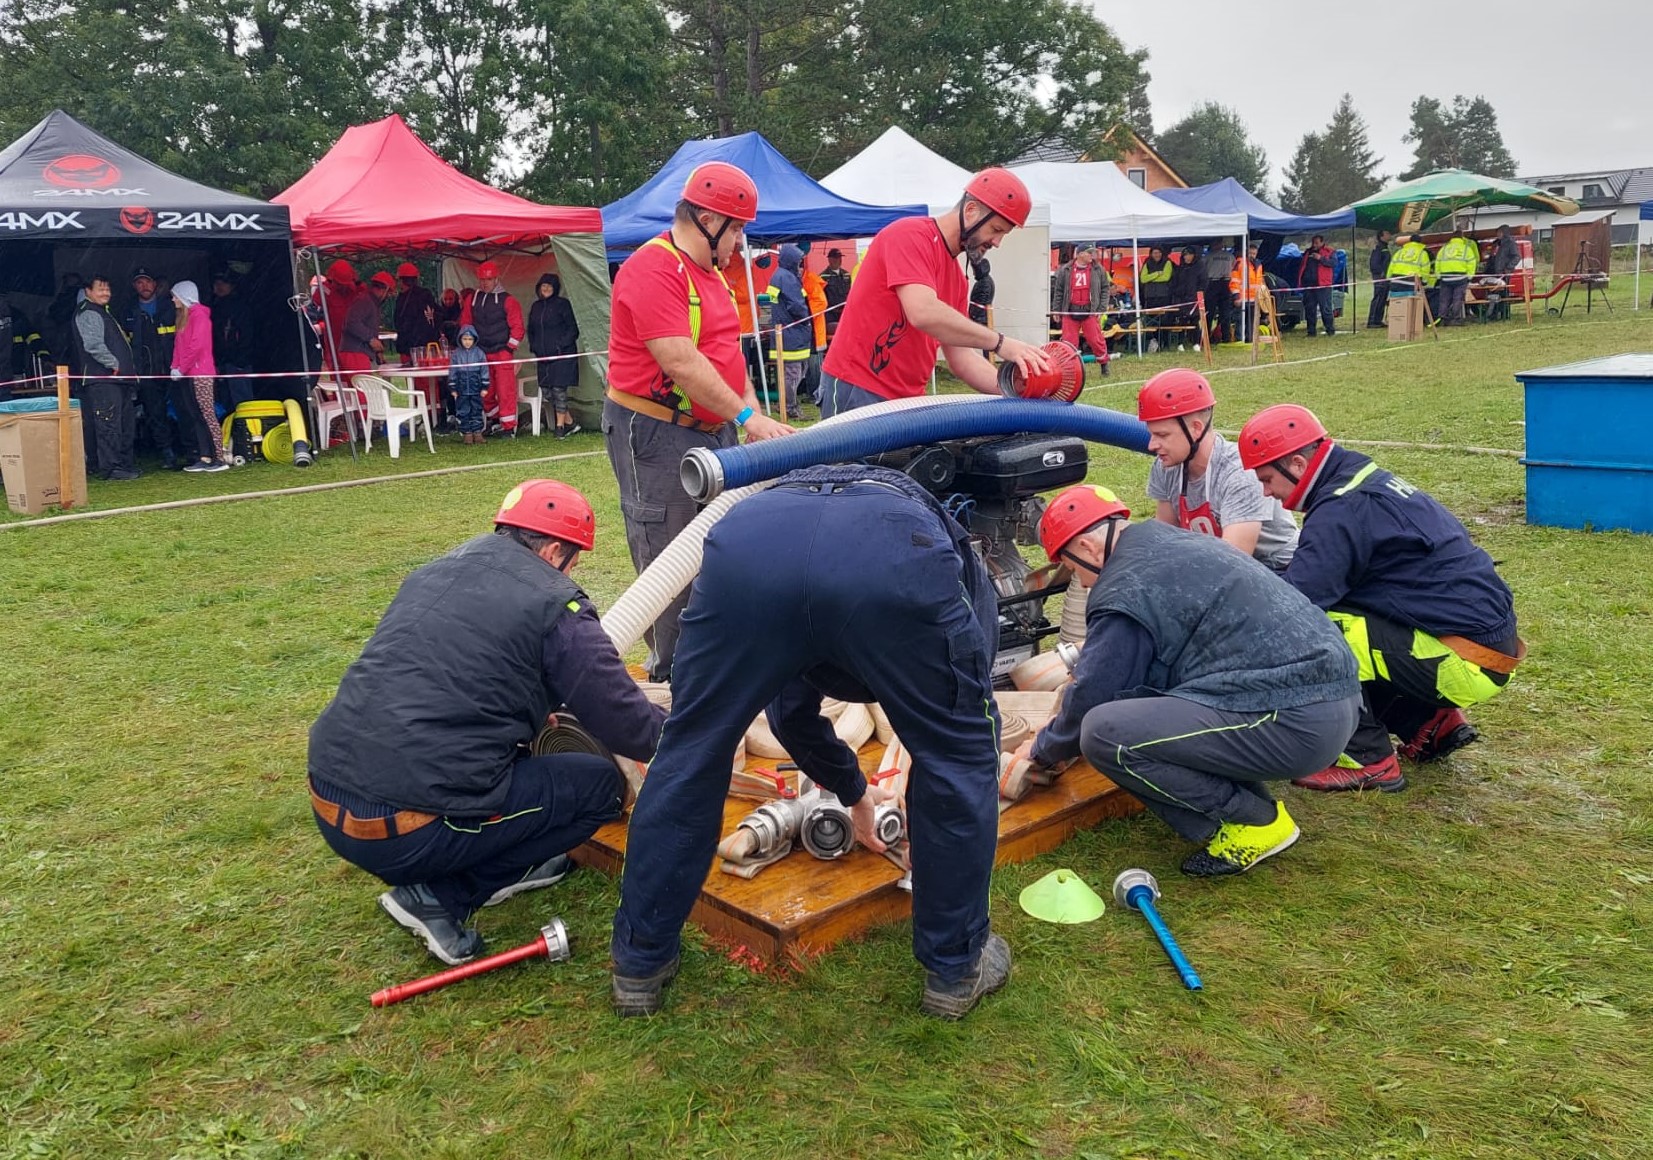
467,379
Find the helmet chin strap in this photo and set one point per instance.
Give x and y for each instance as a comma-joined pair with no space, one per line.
965,234
712,239
1114,524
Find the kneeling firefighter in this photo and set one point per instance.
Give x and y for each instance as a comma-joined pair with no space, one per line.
1203,677
419,768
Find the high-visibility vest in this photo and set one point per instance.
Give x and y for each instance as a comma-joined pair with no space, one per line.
1237,285
1412,261
1148,274
815,295
1459,258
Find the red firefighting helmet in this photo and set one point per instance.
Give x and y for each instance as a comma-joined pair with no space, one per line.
722,188
1002,192
1076,510
1172,394
1276,432
552,509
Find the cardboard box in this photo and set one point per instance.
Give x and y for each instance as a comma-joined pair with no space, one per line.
28,461
1405,318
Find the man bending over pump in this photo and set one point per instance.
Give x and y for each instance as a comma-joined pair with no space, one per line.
419,768
1202,678
1426,614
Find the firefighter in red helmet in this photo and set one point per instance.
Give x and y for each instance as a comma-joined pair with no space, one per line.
1197,480
1423,608
419,768
1202,678
910,299
677,376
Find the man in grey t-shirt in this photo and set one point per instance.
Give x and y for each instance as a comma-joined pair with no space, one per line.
1197,481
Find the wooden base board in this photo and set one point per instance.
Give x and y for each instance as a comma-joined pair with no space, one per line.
802,906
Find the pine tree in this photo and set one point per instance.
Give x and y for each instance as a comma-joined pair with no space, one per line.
1332,168
1481,146
1465,136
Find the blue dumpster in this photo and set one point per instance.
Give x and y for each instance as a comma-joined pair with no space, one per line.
1589,453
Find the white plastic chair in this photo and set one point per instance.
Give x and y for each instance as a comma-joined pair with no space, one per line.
528,392
393,406
327,402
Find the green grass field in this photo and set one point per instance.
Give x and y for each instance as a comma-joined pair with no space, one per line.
1461,970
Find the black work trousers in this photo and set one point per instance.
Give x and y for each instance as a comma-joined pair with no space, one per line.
555,803
114,423
874,596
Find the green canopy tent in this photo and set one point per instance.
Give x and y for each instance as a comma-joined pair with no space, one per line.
1415,205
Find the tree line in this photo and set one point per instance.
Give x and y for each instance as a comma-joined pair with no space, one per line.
580,101
1335,165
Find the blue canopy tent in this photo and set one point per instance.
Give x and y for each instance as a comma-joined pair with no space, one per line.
791,205
1229,196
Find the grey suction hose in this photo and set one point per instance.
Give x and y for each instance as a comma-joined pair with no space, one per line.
675,568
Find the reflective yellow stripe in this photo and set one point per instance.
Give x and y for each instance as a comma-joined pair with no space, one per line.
1356,479
1354,632
573,606
694,291
1459,681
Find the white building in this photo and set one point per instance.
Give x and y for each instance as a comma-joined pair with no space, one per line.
1619,192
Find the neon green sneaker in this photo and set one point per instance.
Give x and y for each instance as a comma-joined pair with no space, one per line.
1236,848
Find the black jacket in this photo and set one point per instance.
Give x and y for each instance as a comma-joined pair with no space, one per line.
432,714
152,337
1378,263
552,330
1373,542
413,330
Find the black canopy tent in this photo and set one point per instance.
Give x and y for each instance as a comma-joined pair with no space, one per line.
74,202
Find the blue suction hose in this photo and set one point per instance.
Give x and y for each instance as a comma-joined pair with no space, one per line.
705,472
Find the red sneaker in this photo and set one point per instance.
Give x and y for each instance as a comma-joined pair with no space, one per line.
1382,775
1443,733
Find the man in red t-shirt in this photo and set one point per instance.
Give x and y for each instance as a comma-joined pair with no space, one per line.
909,299
677,377
1082,289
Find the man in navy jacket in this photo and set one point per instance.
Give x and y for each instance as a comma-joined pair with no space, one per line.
1431,623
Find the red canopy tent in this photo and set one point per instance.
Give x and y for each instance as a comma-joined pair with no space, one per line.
380,190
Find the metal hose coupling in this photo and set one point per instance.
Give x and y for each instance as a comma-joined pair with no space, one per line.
889,822
827,830
772,827
701,472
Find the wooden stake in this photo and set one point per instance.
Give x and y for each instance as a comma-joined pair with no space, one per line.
65,450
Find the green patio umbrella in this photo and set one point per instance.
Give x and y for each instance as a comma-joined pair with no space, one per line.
1414,205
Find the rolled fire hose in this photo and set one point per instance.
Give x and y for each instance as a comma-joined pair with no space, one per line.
673,570
1073,613
1013,730
1046,672
706,473
881,727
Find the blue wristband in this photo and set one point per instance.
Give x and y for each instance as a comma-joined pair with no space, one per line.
745,414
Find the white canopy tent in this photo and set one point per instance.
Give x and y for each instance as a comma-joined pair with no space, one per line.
898,170
1092,201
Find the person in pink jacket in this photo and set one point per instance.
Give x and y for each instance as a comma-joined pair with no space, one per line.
192,366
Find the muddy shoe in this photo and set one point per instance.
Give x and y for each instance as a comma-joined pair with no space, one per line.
545,874
1384,776
642,995
416,910
1237,847
956,1000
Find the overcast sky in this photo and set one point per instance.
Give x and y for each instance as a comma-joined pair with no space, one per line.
1569,81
